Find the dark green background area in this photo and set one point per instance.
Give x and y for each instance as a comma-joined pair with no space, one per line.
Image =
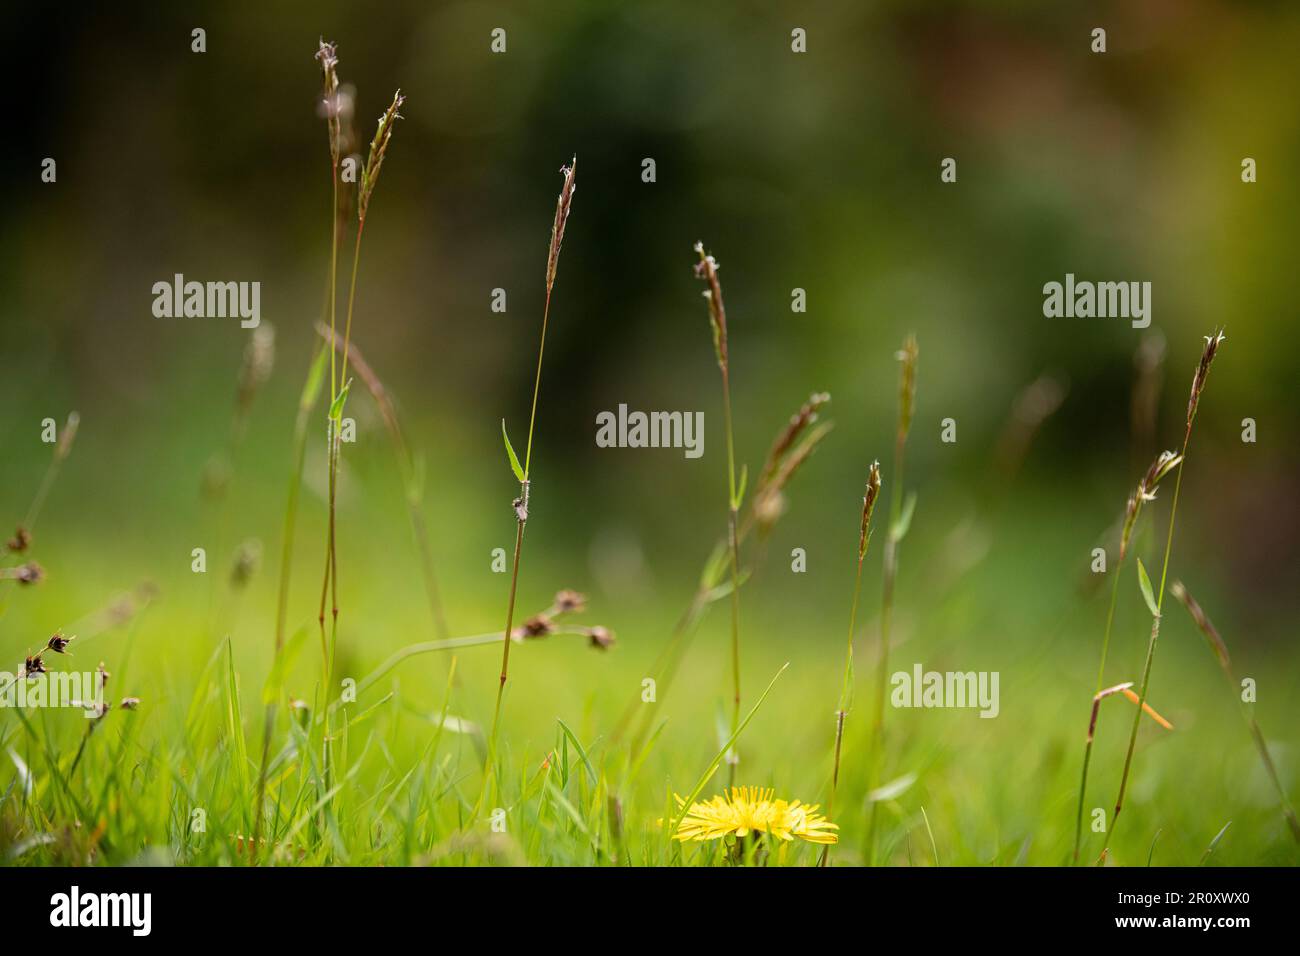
818,171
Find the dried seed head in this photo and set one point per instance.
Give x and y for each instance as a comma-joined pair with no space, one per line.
567,600
768,509
868,504
378,150
601,638
907,384
1165,462
33,665
64,447
1131,512
539,625
247,558
561,220
259,359
29,573
707,270
795,460
799,422
327,54
58,643
1207,628
215,477
129,703
1202,372
20,541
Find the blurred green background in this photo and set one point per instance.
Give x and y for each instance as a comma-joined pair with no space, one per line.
818,171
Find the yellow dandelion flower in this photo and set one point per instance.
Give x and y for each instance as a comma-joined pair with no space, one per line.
746,810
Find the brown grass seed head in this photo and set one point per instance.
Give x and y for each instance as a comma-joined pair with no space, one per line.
562,206
799,421
327,54
1203,622
58,643
378,150
1202,373
1164,463
707,270
868,504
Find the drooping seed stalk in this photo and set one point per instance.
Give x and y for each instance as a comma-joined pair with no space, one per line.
1220,651
907,358
1198,384
846,687
707,270
520,504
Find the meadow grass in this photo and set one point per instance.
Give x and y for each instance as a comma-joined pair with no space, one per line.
402,767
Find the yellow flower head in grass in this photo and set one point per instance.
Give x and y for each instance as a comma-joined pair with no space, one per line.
746,810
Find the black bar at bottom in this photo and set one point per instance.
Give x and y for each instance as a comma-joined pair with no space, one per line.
334,905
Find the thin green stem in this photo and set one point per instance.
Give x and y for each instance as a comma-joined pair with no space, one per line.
537,386
521,520
352,294
734,545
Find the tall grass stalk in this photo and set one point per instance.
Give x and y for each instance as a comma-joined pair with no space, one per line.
846,687
520,504
337,108
1146,491
707,269
898,521
1220,651
1198,385
339,387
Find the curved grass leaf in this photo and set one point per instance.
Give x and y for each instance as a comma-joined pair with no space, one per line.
1148,594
